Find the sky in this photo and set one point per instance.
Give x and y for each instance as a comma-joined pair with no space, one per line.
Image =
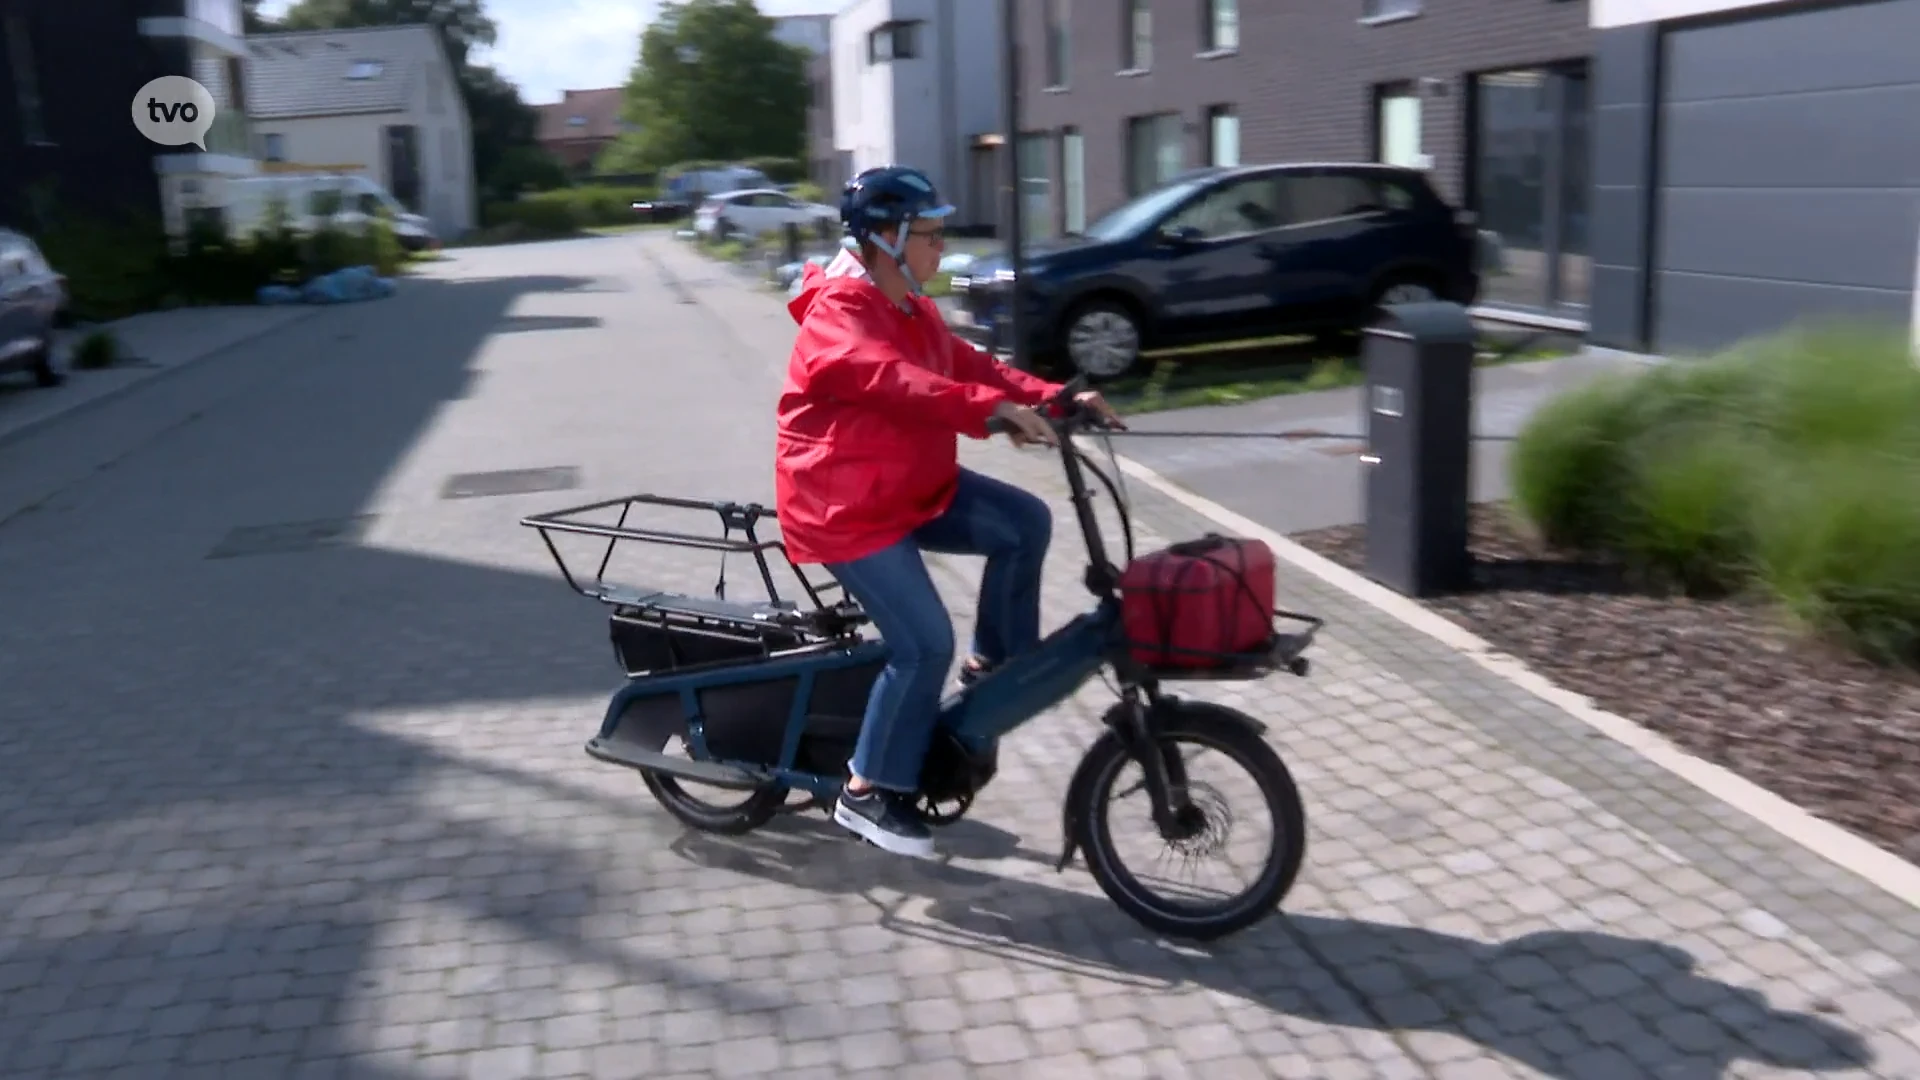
548,46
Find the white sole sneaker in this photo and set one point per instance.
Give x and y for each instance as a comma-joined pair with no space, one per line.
892,843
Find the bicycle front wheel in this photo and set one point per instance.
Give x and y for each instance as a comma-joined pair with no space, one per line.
1157,882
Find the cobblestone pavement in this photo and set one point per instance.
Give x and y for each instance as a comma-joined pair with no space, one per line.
293,782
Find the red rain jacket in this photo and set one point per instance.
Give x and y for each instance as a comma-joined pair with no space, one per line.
867,421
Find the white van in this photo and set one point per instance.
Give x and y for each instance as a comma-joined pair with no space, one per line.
346,201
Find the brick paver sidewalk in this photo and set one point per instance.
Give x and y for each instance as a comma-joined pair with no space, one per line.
326,813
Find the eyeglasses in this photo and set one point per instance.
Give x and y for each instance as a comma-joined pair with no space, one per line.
931,236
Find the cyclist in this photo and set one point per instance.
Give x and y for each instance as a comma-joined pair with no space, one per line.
867,477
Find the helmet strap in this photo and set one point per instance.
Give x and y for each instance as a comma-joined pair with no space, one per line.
897,251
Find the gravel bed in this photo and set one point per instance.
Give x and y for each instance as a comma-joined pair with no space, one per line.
1726,679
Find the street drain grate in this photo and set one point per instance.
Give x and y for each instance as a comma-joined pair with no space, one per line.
510,482
291,537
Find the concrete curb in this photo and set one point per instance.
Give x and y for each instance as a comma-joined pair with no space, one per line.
80,405
1831,842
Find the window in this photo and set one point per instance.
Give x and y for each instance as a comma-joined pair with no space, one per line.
324,202
26,79
1330,196
1223,136
1529,184
893,41
1221,32
1244,206
576,121
1073,181
1154,151
1398,127
273,146
1059,55
365,69
1036,195
1137,40
1389,10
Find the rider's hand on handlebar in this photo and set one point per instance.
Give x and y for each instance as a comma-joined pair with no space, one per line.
1025,427
1091,401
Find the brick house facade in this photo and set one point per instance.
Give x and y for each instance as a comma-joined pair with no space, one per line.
1300,82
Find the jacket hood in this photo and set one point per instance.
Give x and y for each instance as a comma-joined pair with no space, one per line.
845,270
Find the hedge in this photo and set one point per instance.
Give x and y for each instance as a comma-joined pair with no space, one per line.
1788,469
566,210
117,267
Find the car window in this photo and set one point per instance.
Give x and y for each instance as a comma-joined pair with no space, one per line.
1236,209
1330,196
1140,213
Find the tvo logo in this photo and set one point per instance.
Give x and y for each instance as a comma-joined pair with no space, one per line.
174,110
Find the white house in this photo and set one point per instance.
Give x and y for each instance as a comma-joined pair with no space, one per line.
383,102
917,82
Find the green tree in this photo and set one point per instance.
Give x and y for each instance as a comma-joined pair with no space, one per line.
712,82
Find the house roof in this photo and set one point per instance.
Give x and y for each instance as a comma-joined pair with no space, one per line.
335,72
598,109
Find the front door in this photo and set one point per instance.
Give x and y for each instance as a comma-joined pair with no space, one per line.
1214,280
403,164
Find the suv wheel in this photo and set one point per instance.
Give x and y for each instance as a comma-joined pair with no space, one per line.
1404,291
1102,340
42,365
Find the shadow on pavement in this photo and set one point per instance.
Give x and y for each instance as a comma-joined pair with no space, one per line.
1553,1000
218,843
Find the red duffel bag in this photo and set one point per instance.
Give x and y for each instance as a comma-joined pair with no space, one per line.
1198,604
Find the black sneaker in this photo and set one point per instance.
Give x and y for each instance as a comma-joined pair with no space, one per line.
885,820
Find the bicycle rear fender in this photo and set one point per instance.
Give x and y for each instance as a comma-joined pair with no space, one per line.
1080,788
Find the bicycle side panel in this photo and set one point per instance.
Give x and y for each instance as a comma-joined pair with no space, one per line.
763,713
1029,685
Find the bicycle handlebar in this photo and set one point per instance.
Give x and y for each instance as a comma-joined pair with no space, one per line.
1062,411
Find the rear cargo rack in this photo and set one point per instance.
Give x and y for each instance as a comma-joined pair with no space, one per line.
739,535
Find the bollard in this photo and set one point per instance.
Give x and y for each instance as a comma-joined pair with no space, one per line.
792,236
1419,422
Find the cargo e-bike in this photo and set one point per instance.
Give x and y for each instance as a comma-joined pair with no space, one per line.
766,698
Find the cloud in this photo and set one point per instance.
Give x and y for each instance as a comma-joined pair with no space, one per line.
547,46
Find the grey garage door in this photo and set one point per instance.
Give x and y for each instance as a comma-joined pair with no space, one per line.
1790,172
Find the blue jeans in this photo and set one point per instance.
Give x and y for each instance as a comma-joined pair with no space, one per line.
1009,526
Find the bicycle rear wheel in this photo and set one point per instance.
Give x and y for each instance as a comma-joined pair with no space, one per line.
1186,731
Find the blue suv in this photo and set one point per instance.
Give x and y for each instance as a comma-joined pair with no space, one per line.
1226,254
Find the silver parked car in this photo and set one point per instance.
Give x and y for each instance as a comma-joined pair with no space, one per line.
31,295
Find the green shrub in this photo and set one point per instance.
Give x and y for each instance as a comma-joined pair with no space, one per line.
1788,466
1686,518
114,265
1836,543
98,349
807,191
386,256
1569,466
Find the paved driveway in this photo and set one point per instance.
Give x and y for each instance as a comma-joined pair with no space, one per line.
291,780
1311,483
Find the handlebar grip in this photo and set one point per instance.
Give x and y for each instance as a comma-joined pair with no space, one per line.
997,426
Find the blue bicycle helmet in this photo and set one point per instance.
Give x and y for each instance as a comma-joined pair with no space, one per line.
886,197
